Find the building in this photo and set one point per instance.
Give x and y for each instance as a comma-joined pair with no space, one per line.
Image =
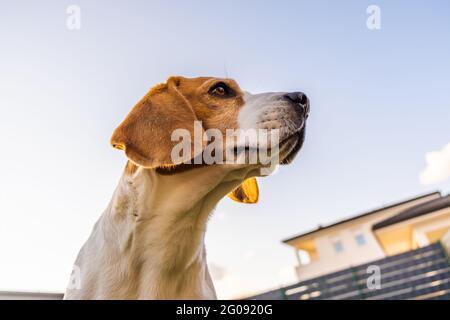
404,246
373,235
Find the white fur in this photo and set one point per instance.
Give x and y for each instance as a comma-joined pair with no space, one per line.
268,111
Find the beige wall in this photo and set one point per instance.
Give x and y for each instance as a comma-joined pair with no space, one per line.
414,233
352,254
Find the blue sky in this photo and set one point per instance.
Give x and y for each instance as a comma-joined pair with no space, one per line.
380,102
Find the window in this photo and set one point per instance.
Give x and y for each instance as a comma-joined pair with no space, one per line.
338,246
360,239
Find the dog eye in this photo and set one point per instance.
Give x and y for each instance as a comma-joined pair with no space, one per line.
221,90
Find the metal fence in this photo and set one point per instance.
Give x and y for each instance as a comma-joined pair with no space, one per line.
419,274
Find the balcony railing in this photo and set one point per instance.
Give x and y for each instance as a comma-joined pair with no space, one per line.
419,274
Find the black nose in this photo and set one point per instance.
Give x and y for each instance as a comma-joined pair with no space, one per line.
297,97
300,99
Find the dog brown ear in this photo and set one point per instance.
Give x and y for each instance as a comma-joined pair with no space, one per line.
145,134
247,192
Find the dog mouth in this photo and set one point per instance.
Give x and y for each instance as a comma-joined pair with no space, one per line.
286,149
290,146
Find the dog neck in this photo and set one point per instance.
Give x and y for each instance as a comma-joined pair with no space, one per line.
158,224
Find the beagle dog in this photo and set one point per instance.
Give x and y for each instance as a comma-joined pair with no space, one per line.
149,242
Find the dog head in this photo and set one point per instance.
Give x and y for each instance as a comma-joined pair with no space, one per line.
208,107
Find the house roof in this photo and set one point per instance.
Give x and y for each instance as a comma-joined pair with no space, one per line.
416,211
320,228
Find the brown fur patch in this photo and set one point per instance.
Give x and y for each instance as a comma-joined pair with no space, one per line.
145,134
214,112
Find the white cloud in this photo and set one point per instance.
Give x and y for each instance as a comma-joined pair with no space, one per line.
438,166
